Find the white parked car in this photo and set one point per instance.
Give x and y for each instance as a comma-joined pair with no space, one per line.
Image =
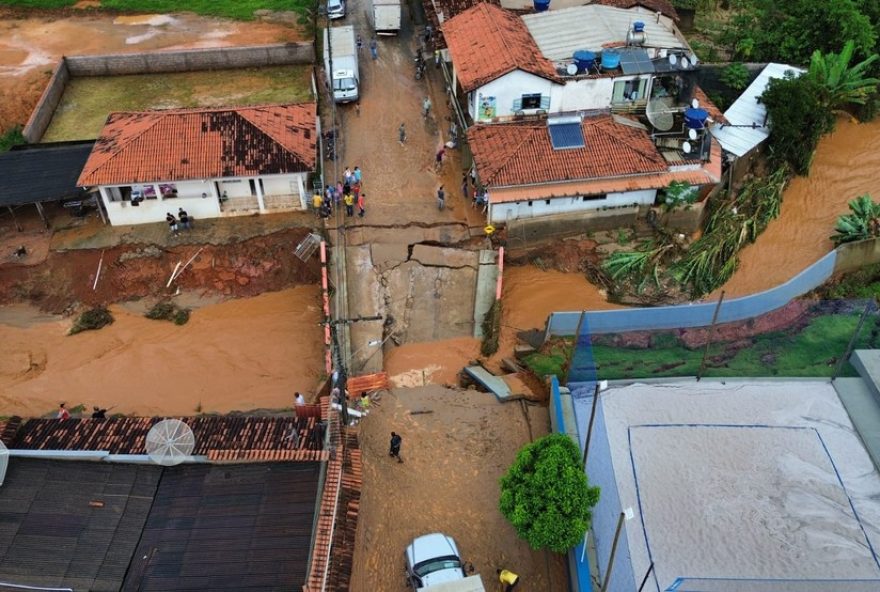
335,9
433,564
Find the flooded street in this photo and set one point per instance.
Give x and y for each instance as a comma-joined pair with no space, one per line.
846,165
241,354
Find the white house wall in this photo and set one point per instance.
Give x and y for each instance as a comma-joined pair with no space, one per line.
122,213
281,185
506,90
235,187
502,212
581,95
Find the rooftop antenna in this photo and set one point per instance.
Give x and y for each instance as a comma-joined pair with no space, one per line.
673,59
170,442
686,147
692,134
694,60
685,63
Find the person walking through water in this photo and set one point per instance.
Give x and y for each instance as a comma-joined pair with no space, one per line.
441,198
426,107
374,48
401,134
394,452
362,210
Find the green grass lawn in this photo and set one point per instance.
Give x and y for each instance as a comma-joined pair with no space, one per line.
811,352
88,100
234,9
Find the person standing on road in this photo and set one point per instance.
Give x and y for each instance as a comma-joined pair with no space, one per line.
437,56
426,107
508,579
438,159
346,176
441,198
360,43
401,134
184,219
361,201
374,48
464,185
349,204
394,452
358,175
317,202
172,222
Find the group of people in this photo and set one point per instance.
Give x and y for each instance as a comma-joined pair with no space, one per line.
97,412
348,192
175,222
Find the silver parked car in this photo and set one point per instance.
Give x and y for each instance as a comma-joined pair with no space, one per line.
335,9
433,563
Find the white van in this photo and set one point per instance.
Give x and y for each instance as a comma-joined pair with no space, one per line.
335,9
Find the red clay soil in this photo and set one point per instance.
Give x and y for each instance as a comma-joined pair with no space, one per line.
247,268
792,315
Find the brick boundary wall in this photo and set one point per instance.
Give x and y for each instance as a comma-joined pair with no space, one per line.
157,62
42,114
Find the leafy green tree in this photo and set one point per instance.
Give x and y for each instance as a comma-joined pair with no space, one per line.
735,76
798,118
862,223
843,84
790,31
11,137
546,496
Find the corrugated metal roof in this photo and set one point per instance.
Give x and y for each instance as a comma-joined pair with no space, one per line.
559,33
746,110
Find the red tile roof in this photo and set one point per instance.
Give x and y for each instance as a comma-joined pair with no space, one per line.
708,174
220,438
437,11
486,42
510,154
664,7
182,144
8,429
367,382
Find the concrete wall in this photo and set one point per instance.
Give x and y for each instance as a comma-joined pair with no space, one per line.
281,185
506,90
583,94
191,59
42,113
852,256
500,213
122,213
533,231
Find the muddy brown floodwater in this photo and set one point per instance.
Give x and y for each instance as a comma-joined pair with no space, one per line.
846,165
238,355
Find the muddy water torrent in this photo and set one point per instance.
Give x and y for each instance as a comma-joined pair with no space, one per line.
241,354
846,165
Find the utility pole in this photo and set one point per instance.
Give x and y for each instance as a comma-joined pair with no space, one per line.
590,426
709,338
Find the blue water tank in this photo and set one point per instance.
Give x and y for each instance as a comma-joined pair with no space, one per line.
542,5
610,59
584,59
695,118
638,26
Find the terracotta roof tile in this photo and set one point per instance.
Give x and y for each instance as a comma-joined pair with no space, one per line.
441,11
8,428
708,174
181,144
486,42
513,154
706,103
664,7
367,382
217,437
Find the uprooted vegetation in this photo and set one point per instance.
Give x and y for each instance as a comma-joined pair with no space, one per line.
91,320
168,311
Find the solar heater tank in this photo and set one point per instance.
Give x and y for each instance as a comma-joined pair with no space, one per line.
637,35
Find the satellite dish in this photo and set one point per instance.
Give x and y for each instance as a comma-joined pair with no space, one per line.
695,103
692,134
663,52
686,147
571,69
659,113
685,63
672,59
694,60
170,442
4,461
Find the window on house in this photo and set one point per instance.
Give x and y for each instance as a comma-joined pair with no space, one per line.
531,101
594,197
547,201
629,90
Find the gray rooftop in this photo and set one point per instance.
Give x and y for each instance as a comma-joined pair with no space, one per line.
559,33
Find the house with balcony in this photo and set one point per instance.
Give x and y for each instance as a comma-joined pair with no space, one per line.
583,58
210,162
584,173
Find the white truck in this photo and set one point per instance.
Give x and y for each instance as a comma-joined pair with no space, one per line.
342,73
433,564
386,17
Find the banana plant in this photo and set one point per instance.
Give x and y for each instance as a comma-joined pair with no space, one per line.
862,223
844,84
